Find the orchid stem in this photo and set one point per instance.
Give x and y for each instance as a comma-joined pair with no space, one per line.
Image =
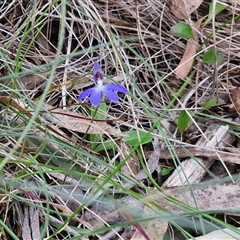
94,115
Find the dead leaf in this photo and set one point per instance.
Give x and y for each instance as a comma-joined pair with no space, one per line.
132,166
226,234
43,43
30,224
185,65
236,99
154,229
34,81
183,8
152,163
34,223
208,197
192,170
78,122
26,230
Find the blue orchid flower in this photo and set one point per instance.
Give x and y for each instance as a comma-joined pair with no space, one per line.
95,93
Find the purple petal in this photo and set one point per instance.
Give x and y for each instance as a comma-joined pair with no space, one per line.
96,67
95,97
85,93
115,87
97,72
112,96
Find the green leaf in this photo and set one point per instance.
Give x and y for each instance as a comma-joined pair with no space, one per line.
218,8
183,121
166,170
211,102
133,140
211,57
107,145
182,30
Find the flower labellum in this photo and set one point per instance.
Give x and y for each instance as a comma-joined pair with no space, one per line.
95,93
